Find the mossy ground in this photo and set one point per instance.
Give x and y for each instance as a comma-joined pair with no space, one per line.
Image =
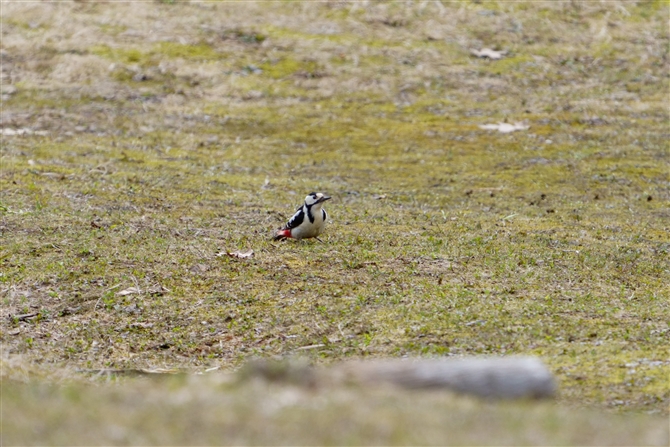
177,131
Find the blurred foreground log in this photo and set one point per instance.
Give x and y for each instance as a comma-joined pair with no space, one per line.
496,378
489,377
503,378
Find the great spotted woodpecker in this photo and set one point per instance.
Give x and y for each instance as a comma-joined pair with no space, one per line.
308,221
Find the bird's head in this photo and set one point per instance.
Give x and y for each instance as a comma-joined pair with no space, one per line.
315,197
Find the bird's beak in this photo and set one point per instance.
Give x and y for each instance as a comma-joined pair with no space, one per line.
323,199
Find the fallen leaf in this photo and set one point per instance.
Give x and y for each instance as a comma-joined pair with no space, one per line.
489,53
53,175
69,311
157,290
505,127
237,254
132,309
200,268
129,291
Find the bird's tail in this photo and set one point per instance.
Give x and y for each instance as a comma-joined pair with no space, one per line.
282,234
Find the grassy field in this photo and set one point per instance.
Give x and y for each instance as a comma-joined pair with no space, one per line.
143,141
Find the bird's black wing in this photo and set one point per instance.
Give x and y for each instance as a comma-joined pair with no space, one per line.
296,219
325,214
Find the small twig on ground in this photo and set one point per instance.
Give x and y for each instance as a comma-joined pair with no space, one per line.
24,317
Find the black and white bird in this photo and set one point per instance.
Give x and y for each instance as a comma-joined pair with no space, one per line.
308,221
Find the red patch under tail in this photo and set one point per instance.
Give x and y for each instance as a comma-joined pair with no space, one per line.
282,234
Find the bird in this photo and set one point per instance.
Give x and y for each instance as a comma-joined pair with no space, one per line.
308,221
